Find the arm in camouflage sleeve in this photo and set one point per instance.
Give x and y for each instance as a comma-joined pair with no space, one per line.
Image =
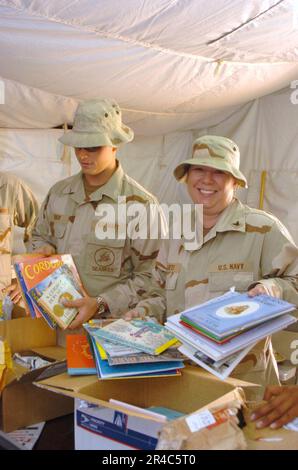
143,254
26,209
41,233
156,304
279,264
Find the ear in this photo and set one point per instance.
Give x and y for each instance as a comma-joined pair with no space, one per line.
114,149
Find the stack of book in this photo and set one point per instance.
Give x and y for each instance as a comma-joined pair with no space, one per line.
218,334
134,348
45,282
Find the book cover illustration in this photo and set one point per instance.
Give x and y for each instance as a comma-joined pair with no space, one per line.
51,291
171,354
235,312
18,262
32,269
105,371
219,351
146,336
79,357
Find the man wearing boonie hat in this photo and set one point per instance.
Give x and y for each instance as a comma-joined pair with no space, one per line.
115,271
241,246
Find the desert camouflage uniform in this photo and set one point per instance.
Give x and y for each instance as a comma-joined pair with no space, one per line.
117,269
18,207
246,246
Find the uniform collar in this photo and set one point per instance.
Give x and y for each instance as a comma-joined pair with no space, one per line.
112,188
231,219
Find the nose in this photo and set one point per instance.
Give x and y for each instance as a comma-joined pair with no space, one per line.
207,176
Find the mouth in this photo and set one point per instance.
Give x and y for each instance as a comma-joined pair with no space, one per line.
206,192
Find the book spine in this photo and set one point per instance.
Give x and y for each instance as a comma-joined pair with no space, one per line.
44,314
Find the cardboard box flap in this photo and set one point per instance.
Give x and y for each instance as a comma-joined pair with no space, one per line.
66,384
52,352
26,333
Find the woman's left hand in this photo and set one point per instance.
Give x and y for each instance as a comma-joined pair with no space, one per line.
259,289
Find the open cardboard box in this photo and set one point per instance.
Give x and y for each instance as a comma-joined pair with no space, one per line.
103,425
23,404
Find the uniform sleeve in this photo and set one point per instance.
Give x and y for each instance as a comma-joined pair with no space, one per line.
42,232
26,209
143,254
279,264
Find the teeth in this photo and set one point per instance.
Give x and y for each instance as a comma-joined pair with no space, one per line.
205,191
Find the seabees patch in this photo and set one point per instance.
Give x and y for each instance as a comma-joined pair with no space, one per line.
103,260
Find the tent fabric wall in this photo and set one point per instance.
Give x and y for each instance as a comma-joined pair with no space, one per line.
178,68
171,65
265,130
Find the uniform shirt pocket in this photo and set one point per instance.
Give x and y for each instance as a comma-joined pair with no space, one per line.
104,257
59,225
223,281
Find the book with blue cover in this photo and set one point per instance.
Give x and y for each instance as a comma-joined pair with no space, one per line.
235,312
105,371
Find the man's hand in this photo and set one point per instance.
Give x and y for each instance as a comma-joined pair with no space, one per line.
13,291
280,409
46,250
259,289
87,309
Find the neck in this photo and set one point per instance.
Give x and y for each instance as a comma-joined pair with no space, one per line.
103,177
209,220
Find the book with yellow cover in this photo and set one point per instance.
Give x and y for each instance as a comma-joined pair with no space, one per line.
51,291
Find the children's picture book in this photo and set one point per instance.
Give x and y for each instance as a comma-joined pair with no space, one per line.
79,357
171,354
51,291
105,371
146,336
235,313
18,261
222,368
220,351
33,268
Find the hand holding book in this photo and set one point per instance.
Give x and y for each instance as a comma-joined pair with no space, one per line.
87,307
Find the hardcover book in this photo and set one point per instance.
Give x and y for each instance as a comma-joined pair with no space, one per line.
235,313
79,358
220,351
32,269
51,291
105,371
146,336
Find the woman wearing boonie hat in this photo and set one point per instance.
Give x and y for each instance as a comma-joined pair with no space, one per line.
114,270
241,246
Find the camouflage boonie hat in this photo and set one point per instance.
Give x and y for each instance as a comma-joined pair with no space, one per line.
215,152
97,123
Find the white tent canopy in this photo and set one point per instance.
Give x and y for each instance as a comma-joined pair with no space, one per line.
176,67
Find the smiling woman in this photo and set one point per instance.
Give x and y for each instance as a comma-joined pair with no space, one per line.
242,247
